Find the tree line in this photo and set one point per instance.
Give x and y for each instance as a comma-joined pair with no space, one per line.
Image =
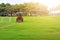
26,8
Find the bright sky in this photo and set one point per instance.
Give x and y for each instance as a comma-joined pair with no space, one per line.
49,3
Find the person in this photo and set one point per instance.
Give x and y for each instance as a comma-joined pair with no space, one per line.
19,18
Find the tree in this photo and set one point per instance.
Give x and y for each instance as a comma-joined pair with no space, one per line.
35,8
2,9
26,8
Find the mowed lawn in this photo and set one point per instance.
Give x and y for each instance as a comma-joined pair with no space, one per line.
33,28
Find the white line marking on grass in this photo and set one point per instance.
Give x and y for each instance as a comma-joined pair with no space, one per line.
10,18
2,19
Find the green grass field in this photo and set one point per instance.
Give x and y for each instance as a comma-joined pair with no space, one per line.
33,28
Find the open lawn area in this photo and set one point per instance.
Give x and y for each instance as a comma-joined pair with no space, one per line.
33,28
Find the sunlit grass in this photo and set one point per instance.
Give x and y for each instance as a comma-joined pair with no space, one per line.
33,28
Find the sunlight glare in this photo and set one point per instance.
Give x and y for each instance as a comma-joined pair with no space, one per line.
49,3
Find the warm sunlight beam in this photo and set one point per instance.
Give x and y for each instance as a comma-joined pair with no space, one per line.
49,3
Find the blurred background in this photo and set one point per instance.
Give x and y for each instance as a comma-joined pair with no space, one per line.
30,7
